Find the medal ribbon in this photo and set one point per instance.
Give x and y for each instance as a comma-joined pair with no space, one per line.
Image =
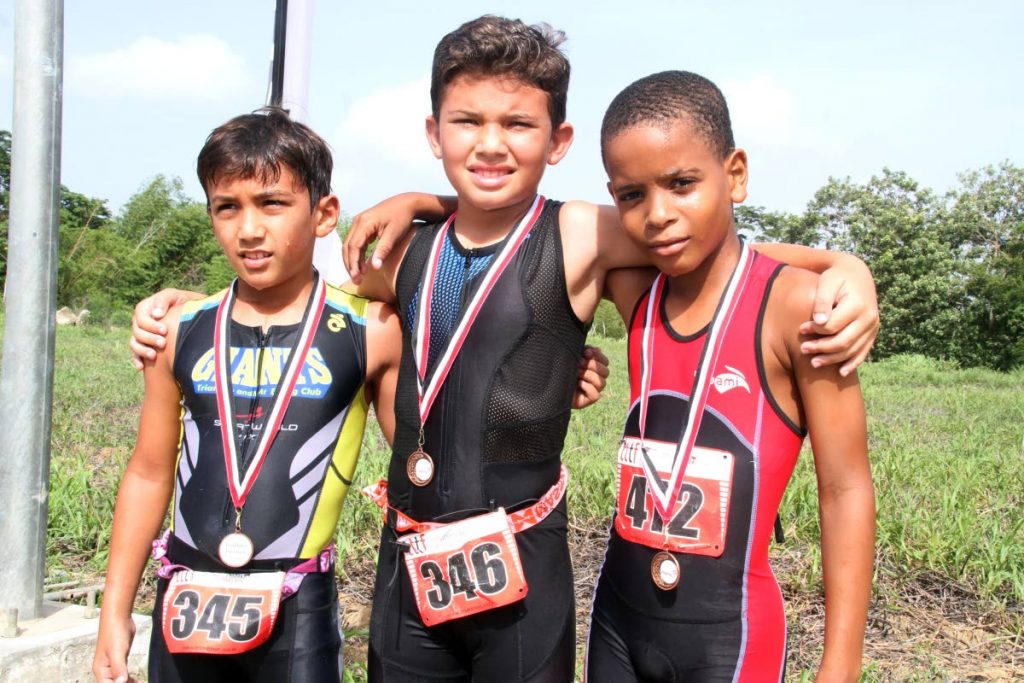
428,390
664,494
240,483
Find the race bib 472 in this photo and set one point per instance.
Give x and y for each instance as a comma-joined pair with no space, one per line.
464,568
215,613
700,513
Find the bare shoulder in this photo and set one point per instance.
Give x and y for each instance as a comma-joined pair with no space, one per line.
789,304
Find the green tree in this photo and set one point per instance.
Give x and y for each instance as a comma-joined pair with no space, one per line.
895,225
986,220
775,226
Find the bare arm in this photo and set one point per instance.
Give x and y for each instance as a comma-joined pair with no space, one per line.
149,333
833,410
384,354
389,222
142,500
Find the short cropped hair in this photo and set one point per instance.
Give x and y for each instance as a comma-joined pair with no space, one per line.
254,146
664,98
496,46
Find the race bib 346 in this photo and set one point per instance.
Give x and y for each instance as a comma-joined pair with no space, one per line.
464,568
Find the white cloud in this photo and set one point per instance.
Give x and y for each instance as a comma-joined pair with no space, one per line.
767,116
195,67
380,147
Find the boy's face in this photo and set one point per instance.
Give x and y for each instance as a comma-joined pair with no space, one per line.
674,193
267,230
494,136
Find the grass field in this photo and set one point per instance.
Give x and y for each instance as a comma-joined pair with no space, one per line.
947,453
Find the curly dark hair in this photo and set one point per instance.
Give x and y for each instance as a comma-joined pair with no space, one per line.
256,145
496,46
669,96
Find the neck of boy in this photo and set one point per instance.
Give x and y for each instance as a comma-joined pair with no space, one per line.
480,227
693,297
282,304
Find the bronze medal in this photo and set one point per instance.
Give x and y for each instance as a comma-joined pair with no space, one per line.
665,570
419,467
235,550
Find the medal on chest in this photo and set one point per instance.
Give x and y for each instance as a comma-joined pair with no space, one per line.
689,504
419,466
236,549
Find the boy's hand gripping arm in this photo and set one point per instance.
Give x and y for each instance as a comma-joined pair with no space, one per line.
149,333
388,222
845,315
142,501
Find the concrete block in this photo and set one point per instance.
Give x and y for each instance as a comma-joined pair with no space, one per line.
59,647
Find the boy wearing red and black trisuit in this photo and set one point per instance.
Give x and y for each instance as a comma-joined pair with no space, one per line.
720,400
251,427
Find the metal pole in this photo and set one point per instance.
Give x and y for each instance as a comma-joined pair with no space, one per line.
26,387
277,63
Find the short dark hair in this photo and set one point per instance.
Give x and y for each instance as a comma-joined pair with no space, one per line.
664,98
256,145
496,46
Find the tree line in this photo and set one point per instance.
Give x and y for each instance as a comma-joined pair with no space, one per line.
949,268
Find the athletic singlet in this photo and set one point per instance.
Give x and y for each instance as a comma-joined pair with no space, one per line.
498,425
741,419
292,510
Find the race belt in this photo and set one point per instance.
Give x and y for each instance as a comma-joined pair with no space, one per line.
223,613
470,566
700,514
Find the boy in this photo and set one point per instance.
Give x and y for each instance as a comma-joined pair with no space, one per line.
721,398
253,417
493,311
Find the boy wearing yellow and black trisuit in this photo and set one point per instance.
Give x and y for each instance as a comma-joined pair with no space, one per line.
494,303
253,419
720,400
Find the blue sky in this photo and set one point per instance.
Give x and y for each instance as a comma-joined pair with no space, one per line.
816,89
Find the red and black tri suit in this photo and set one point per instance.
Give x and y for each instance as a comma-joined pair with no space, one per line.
724,621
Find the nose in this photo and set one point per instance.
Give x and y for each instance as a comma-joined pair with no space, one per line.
250,225
491,139
660,211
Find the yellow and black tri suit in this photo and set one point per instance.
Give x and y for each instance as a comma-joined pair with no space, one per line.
292,511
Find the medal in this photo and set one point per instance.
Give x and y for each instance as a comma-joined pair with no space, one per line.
419,467
665,570
235,550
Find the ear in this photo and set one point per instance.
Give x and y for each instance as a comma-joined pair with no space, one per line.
328,211
434,136
736,172
561,140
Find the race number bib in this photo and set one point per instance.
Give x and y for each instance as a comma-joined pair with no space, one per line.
221,614
464,568
700,514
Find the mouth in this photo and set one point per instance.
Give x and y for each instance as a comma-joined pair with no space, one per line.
255,259
668,247
490,176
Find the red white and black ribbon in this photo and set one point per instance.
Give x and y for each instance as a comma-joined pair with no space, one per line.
429,389
240,483
665,493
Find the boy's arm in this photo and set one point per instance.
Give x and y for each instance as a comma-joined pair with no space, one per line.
389,222
149,331
383,356
833,410
845,313
142,500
